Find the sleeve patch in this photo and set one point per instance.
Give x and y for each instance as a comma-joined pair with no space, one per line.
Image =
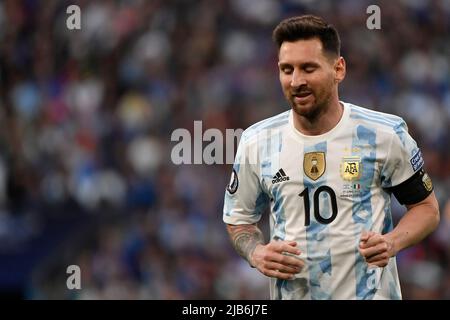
416,161
234,183
426,180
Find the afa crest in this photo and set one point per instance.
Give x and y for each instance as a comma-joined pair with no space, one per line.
351,168
427,182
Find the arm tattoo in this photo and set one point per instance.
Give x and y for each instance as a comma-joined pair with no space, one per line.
245,238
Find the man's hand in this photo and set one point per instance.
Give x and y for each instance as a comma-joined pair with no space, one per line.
376,249
272,259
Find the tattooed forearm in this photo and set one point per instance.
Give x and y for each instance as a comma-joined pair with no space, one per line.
245,238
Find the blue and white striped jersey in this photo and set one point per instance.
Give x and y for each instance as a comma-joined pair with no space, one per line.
323,192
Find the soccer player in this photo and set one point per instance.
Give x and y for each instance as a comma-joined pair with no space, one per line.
328,169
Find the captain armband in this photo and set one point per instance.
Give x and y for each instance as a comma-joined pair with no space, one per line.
413,190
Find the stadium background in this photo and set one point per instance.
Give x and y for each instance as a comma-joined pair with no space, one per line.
86,118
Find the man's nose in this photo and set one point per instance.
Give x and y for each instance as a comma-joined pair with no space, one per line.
297,79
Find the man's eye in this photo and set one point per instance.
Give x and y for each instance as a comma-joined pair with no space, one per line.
287,70
310,69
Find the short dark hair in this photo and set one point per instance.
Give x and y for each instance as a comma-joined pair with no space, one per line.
308,27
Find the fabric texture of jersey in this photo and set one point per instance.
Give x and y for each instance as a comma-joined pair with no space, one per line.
323,191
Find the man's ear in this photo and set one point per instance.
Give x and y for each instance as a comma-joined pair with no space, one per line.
339,69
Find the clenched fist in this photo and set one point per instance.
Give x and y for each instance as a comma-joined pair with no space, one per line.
274,260
376,248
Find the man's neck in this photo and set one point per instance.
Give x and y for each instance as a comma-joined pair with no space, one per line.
323,123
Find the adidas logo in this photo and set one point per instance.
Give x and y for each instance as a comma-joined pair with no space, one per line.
280,177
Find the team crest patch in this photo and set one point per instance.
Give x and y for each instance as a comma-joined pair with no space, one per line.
426,180
314,164
234,183
351,168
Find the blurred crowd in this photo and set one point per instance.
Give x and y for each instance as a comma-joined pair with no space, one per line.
86,118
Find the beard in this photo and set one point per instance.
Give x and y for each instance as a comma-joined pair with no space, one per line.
312,109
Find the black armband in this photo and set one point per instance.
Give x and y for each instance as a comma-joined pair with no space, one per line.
413,190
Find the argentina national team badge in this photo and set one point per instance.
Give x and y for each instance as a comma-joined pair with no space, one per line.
234,182
314,164
351,168
426,180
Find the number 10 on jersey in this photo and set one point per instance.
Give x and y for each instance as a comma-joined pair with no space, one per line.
307,205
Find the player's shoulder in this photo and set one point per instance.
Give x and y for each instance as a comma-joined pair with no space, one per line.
381,120
267,126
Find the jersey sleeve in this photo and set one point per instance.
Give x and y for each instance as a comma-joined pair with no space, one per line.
244,198
403,172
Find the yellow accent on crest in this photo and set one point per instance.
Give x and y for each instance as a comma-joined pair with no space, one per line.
351,168
427,182
314,164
